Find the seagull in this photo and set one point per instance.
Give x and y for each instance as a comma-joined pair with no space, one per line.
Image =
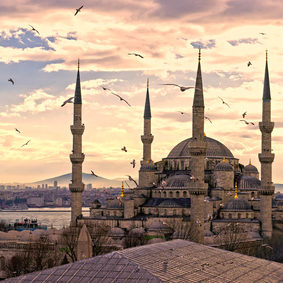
121,98
205,117
247,123
17,130
182,88
249,63
124,149
92,173
136,54
105,88
131,179
182,112
244,114
11,80
25,143
133,163
224,102
69,100
262,33
34,29
78,10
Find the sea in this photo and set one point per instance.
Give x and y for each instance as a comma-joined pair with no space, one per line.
51,217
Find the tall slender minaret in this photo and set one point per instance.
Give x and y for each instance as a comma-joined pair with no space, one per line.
197,148
77,157
146,175
266,158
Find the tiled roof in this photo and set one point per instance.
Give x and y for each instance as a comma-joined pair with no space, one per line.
172,261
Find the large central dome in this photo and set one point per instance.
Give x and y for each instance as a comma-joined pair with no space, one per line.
214,149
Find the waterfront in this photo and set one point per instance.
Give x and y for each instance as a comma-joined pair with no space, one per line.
51,217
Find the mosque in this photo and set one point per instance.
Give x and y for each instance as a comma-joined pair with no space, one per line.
200,184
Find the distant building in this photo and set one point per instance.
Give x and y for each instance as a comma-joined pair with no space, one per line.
89,186
55,184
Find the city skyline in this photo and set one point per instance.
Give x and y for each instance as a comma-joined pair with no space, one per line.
43,67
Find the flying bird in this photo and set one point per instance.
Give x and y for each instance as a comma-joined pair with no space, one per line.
92,173
78,10
124,149
182,113
69,100
207,118
11,80
17,130
262,33
244,114
136,54
247,123
25,143
182,88
105,88
34,29
131,179
249,63
224,102
133,163
121,98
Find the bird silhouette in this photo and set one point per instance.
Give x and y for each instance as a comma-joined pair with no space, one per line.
11,80
17,130
78,10
136,54
34,29
133,163
124,149
182,88
207,118
131,179
247,123
105,88
182,113
244,114
249,63
92,173
121,98
262,33
69,100
25,143
223,102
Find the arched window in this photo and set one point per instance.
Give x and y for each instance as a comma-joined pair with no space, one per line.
164,194
230,215
177,194
239,215
247,215
165,212
2,263
184,194
174,211
171,194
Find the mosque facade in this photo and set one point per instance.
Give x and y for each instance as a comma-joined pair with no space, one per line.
200,184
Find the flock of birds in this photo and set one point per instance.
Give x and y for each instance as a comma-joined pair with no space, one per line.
182,89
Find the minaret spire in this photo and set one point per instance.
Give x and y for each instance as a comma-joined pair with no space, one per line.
147,112
266,158
77,157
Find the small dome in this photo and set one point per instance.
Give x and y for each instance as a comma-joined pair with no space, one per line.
236,204
250,169
178,180
159,226
117,232
223,166
249,182
139,230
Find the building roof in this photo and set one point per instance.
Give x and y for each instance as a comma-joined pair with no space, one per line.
249,182
172,261
214,149
236,205
178,180
250,168
198,96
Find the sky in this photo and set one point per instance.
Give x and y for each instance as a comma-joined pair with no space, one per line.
168,35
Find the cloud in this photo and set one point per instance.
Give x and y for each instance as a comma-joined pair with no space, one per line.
204,45
24,38
243,40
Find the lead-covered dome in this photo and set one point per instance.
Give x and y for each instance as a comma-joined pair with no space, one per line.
250,169
236,205
178,180
223,166
214,149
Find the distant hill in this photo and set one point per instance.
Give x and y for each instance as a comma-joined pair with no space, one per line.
64,180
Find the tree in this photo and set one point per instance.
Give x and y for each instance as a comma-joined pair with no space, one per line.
69,242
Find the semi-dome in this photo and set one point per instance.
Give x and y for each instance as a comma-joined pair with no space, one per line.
250,169
236,204
214,149
223,166
249,182
178,180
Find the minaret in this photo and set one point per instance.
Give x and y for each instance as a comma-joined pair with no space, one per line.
146,175
77,157
197,148
266,158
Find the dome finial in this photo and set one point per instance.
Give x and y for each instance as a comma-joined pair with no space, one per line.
147,84
199,54
204,134
224,159
250,163
122,190
78,63
236,191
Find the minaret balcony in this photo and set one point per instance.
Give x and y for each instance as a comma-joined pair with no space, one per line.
198,188
147,138
77,188
266,157
266,127
77,157
77,129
